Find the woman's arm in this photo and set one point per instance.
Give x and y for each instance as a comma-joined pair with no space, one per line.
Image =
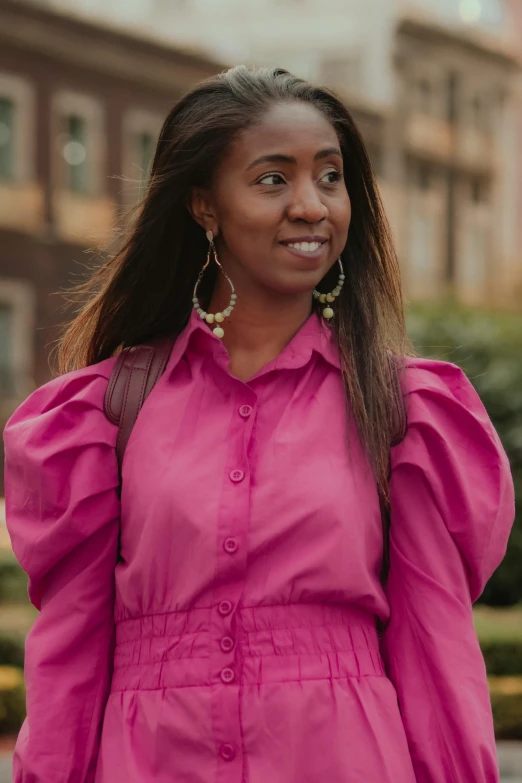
62,513
452,511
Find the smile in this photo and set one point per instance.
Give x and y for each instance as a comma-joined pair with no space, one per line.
306,248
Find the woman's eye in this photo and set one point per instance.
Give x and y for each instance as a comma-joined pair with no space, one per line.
331,178
277,179
334,175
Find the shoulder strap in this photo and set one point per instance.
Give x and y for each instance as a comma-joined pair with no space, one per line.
138,369
136,372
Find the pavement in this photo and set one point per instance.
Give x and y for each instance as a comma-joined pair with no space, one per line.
509,759
509,754
5,769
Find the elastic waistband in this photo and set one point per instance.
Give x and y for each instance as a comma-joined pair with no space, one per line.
273,644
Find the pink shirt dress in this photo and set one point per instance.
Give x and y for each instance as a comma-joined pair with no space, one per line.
233,638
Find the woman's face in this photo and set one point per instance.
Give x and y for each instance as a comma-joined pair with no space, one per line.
278,204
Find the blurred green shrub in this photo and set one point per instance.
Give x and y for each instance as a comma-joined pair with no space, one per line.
12,647
12,699
506,703
503,657
13,581
488,347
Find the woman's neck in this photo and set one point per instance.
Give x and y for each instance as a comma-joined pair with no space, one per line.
259,329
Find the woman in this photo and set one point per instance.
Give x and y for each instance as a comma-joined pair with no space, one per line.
218,623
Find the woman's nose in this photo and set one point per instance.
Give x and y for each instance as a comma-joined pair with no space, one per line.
306,205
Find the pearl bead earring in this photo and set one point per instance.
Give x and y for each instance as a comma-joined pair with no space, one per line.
211,318
328,312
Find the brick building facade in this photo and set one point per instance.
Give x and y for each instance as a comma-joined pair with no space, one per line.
80,109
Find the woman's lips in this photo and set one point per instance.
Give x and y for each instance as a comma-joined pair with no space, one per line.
310,250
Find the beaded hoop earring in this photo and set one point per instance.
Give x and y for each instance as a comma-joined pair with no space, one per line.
328,312
211,318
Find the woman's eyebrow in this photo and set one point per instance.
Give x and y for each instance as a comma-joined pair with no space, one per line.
278,158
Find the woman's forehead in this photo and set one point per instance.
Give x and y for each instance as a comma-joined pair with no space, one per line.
287,129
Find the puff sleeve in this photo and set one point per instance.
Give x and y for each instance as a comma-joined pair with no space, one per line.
62,513
452,503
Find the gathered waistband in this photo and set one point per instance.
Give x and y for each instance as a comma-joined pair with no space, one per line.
273,644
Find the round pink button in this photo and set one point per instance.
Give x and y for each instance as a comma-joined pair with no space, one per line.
227,644
231,545
228,752
228,676
237,475
224,608
245,411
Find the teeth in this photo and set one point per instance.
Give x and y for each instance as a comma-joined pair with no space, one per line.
305,247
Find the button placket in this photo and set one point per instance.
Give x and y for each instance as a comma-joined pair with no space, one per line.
231,558
227,644
228,675
228,751
231,545
237,475
225,607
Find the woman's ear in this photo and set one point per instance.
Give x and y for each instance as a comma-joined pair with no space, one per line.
200,207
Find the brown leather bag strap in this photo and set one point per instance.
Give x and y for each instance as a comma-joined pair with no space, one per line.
136,372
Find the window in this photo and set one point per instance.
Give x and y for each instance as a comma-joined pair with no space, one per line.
145,145
141,129
478,191
424,221
452,98
479,113
424,177
7,380
6,138
476,112
425,96
426,90
17,307
423,245
473,262
17,129
75,154
80,142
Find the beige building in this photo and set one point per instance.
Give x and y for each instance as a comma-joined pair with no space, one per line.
453,185
516,19
434,86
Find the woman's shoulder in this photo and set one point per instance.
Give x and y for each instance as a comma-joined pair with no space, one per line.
78,394
451,457
435,390
444,409
422,374
61,471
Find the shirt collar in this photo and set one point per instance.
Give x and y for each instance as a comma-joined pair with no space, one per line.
314,336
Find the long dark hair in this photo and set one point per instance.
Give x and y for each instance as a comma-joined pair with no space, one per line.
145,289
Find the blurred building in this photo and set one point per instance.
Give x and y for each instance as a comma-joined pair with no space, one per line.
80,108
433,85
515,7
